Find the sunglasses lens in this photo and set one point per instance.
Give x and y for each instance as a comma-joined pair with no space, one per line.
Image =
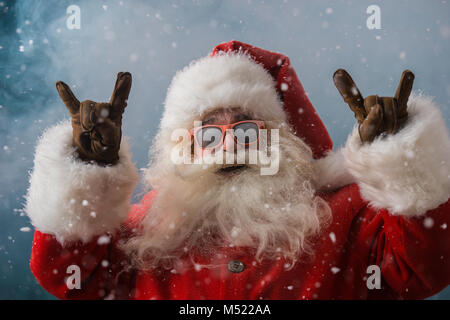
209,137
246,132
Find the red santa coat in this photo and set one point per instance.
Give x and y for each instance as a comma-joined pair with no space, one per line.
414,259
389,203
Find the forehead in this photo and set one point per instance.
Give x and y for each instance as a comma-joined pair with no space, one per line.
231,113
221,111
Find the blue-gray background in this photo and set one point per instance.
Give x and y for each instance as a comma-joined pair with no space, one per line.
152,39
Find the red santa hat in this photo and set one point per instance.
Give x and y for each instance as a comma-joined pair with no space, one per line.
261,82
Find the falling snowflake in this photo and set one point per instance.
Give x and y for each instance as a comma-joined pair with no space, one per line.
333,237
104,113
428,223
235,232
103,240
335,270
134,57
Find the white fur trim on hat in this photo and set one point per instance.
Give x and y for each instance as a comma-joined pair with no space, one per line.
407,173
72,199
224,80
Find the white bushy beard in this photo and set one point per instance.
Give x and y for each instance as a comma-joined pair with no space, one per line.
275,215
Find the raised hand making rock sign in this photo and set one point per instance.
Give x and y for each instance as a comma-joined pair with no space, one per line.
97,125
376,115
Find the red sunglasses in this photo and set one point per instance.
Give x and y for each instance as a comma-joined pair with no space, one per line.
211,137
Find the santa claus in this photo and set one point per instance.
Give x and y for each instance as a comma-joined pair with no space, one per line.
367,221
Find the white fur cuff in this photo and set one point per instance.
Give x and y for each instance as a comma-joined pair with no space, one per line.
407,173
331,172
74,200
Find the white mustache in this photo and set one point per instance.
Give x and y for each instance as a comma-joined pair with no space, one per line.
209,164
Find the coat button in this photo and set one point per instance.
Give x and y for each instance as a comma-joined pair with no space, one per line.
236,266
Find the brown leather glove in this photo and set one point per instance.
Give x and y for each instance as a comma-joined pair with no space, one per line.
97,125
376,115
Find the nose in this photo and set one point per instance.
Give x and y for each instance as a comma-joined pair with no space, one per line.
229,143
